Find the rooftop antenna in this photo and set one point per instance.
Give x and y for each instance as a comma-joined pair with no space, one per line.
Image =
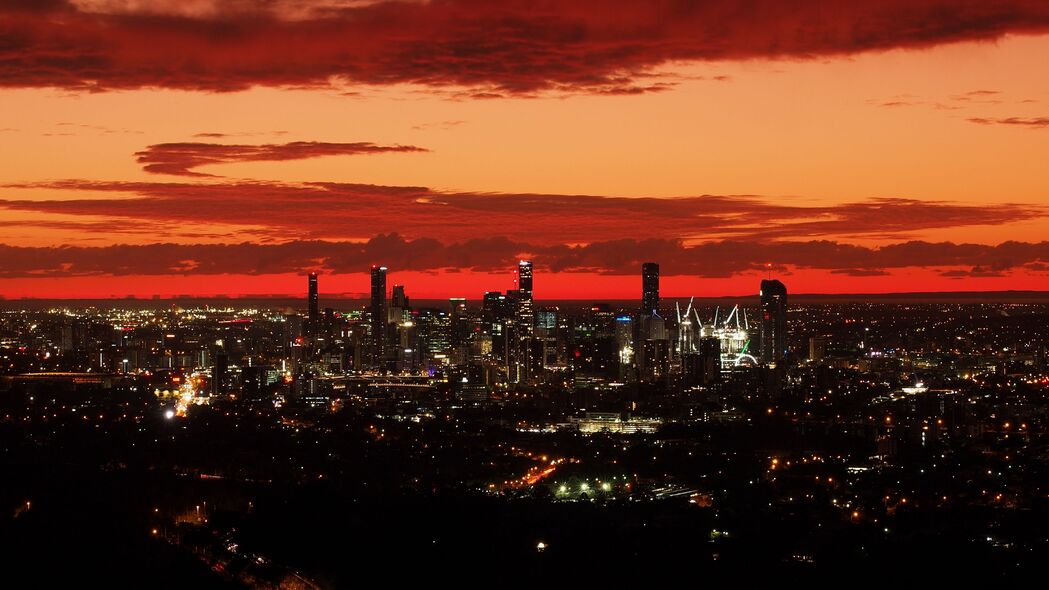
768,270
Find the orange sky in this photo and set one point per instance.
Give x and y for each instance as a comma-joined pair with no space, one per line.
960,123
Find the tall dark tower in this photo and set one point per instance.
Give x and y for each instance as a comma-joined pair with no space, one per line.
525,310
220,374
314,302
379,313
773,321
398,309
649,288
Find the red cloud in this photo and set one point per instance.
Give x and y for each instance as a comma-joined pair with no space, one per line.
1032,123
516,46
355,211
618,257
181,158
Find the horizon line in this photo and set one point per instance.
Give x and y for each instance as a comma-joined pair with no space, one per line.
1007,293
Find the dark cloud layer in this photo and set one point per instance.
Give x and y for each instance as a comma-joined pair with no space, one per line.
516,46
617,257
339,211
1031,123
182,158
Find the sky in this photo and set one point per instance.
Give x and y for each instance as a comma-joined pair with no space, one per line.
206,147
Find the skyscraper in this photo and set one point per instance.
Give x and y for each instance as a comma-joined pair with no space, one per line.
314,305
379,313
399,297
525,310
398,305
649,288
460,320
220,374
495,307
773,321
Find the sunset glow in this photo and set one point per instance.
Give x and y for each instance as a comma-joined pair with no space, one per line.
223,148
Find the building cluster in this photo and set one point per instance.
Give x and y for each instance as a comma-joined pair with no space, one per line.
755,421
508,341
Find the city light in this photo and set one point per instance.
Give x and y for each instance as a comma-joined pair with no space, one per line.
319,294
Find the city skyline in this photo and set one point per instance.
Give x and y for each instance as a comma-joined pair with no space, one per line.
878,148
570,289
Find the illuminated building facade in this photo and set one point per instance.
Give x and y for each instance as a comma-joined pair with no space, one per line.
525,309
379,314
314,305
